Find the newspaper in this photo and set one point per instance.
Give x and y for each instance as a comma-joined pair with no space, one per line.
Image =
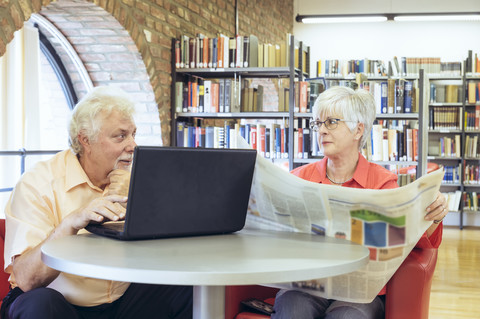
388,222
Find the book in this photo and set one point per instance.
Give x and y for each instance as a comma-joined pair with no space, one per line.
201,96
391,86
228,95
259,98
235,96
239,51
207,98
253,52
303,96
232,49
246,51
177,53
226,50
306,138
178,96
377,142
220,44
384,96
215,96
408,91
260,56
180,134
199,51
472,92
221,96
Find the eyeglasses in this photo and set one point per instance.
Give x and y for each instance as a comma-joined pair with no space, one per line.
330,124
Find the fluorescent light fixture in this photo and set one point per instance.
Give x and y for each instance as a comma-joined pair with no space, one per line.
357,18
473,16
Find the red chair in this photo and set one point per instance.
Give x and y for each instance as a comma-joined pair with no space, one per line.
4,284
408,291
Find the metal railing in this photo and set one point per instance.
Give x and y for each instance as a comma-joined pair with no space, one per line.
23,153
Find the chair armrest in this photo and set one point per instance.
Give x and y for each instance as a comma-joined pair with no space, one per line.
234,295
408,291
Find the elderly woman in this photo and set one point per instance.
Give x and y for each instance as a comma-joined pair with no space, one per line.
343,118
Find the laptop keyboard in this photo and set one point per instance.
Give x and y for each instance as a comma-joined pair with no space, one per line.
117,226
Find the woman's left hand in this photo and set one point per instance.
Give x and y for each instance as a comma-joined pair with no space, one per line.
437,210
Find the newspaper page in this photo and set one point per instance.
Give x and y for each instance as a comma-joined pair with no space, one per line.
388,222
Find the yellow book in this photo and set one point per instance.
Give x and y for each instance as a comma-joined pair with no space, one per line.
266,55
472,98
283,54
260,55
451,93
271,56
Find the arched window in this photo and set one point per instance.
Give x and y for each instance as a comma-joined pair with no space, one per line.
35,117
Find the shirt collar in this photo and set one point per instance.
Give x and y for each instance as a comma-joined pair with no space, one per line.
361,172
359,176
74,173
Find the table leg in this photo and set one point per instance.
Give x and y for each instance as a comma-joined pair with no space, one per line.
208,302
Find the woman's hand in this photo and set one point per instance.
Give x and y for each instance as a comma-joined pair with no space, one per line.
437,210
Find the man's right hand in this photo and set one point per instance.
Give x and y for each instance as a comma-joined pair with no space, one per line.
97,211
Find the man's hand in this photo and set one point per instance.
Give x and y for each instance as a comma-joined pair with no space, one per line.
99,210
119,182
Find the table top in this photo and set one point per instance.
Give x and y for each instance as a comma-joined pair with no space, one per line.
242,258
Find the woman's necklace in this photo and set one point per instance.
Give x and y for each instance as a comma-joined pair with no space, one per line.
337,183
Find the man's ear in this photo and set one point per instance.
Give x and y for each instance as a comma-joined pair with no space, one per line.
83,139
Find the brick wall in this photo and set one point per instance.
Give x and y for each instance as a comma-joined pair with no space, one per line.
110,57
152,23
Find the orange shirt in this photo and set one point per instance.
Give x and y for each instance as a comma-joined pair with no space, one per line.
369,176
42,198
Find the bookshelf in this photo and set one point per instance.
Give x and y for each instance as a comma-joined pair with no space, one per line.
470,211
245,105
454,128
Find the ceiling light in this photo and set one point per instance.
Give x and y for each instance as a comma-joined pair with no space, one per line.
438,17
356,18
342,19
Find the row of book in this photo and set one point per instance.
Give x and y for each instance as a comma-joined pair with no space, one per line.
471,201
392,144
450,93
271,140
473,92
197,95
452,174
217,52
453,200
407,66
237,52
445,146
472,62
471,174
444,118
472,119
471,147
391,96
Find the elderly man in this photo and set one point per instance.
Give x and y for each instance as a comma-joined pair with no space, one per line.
59,197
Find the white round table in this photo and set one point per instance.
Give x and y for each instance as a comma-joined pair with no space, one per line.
208,263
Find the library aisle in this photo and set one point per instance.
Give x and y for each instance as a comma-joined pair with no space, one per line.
456,288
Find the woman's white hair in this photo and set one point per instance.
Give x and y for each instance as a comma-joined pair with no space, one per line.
102,100
350,105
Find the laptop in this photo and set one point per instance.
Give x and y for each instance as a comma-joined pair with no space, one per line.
184,192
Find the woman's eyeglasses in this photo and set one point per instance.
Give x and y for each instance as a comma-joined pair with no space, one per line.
330,124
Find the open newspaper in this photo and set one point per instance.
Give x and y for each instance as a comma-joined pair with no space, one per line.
388,222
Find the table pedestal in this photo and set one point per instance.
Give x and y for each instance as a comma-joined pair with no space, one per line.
208,302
